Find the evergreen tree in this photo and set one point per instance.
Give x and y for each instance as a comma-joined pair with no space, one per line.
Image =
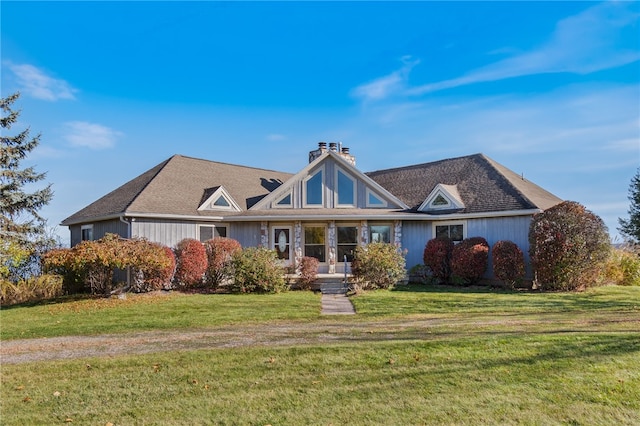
22,230
631,227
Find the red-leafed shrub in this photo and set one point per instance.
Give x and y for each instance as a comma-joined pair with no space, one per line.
568,246
308,272
437,256
508,263
191,263
219,254
469,259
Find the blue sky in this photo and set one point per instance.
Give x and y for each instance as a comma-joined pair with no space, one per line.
549,89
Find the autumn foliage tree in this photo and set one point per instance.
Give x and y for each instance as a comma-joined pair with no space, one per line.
568,246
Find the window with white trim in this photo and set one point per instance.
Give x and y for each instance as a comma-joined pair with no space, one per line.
455,231
374,200
86,233
208,232
314,242
314,190
345,189
380,233
284,201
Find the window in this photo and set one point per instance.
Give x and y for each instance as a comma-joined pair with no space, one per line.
86,233
282,243
347,242
284,201
440,201
207,232
346,189
313,190
314,237
380,233
454,231
373,200
220,202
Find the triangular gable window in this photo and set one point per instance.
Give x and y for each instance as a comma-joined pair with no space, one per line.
219,199
314,190
443,197
374,200
345,190
284,201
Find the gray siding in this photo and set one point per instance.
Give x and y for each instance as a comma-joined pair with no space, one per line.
167,232
414,237
514,229
100,229
247,234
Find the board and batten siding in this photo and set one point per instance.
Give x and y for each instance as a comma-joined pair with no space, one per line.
167,232
100,229
515,229
414,237
247,234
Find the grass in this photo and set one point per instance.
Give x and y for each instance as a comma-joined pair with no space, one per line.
503,358
159,311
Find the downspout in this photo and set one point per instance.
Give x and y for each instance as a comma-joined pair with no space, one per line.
125,221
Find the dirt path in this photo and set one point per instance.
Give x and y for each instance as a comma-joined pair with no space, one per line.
292,333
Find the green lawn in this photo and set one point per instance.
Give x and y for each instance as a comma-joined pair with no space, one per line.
503,358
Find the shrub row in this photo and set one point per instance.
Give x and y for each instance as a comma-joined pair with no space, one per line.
467,261
90,265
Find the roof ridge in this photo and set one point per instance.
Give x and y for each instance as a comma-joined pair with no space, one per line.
229,164
410,166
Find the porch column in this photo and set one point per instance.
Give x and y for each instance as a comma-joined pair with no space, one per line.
297,244
364,233
332,247
264,234
397,233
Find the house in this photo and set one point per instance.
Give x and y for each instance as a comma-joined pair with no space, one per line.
325,210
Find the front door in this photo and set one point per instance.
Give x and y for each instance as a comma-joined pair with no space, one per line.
346,241
282,244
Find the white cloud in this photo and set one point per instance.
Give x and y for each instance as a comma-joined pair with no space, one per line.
383,87
581,44
37,84
90,135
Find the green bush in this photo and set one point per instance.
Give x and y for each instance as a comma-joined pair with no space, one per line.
378,265
568,246
508,263
219,254
32,289
257,270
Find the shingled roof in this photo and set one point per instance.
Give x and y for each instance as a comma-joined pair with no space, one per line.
178,186
484,185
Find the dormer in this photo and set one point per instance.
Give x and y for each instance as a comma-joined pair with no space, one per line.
218,199
442,197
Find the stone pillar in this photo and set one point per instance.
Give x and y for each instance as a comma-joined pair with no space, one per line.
297,244
332,247
397,233
364,233
264,234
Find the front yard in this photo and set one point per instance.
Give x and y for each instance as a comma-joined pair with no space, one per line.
420,355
